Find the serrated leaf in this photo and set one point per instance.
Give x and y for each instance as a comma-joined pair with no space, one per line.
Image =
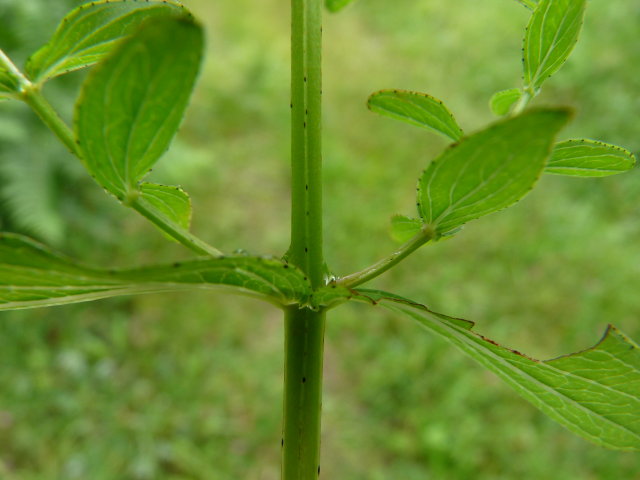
552,33
403,228
530,4
90,32
588,158
132,103
336,5
31,275
594,393
173,202
488,171
502,101
417,109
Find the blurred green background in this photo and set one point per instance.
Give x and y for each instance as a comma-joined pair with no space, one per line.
188,386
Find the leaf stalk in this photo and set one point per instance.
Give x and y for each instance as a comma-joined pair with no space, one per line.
425,235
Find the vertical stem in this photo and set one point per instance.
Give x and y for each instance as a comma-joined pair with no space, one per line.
304,328
304,342
306,154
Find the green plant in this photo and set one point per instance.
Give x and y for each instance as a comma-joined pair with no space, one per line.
129,110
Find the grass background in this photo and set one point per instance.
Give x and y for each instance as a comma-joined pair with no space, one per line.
188,386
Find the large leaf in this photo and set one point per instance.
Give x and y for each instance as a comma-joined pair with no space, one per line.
551,35
417,109
594,393
336,5
588,158
33,276
132,103
487,171
90,31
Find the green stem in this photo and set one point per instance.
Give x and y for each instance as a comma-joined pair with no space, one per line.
522,102
33,97
304,328
306,153
386,263
172,229
304,344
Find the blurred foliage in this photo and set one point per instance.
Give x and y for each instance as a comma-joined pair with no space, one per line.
188,386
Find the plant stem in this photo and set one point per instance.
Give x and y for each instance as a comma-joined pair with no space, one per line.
304,344
304,328
172,229
306,152
33,97
524,100
386,263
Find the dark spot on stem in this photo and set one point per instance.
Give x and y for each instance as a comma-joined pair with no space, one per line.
304,379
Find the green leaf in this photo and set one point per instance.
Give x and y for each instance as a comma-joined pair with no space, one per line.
502,101
403,228
551,35
173,202
487,171
132,103
31,275
588,158
91,31
336,5
417,109
530,4
594,393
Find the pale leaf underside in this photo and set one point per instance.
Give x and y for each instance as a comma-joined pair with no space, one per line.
31,275
90,31
417,109
594,393
589,158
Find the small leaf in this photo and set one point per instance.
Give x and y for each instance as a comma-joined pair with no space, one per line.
502,101
91,31
8,83
173,202
403,228
417,109
132,103
530,4
588,158
31,275
489,170
336,5
551,35
594,393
